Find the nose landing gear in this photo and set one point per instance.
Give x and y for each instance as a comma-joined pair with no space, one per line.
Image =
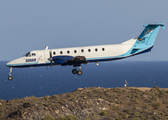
10,74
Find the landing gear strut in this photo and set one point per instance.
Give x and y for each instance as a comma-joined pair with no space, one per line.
79,72
10,74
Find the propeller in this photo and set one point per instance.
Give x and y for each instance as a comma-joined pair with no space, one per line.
51,59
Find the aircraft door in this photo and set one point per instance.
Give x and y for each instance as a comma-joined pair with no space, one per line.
40,58
47,54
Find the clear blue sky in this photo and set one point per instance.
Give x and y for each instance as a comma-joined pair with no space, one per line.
33,24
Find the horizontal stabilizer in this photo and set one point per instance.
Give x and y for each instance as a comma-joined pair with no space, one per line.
158,24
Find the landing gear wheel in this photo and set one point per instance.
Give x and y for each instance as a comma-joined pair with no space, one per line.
74,71
10,78
80,72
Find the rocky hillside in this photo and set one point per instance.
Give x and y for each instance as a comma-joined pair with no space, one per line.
91,104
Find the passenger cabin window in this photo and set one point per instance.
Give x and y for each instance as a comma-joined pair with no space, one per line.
89,50
96,49
68,52
75,51
33,54
103,49
54,53
82,50
61,52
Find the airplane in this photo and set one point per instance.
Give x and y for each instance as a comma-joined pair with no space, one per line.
76,56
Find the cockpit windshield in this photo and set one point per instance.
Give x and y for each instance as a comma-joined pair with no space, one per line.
27,54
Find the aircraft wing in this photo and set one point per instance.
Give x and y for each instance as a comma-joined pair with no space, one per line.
69,60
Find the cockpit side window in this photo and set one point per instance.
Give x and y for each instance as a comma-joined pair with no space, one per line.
33,54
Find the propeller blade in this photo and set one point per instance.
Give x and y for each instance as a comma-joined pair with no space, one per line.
50,54
50,58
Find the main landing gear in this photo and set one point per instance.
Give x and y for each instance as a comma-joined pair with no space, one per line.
79,72
10,74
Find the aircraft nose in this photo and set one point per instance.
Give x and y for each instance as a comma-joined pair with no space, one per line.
14,62
9,64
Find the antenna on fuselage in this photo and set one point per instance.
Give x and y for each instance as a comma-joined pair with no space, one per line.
46,47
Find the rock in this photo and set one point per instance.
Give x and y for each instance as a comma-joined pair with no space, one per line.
26,105
57,111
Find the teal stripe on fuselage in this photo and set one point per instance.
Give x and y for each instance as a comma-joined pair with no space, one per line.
21,64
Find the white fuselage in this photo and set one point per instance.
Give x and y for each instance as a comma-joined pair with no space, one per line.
91,53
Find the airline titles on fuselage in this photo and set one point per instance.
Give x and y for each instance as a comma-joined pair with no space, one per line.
31,60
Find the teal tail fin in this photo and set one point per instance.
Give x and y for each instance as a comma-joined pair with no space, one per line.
149,34
146,39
